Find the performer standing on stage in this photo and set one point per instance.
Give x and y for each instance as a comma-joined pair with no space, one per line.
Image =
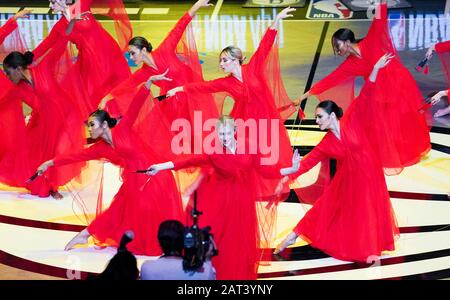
140,205
227,197
353,219
401,135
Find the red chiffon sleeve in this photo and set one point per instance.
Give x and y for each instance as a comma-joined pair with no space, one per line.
378,37
174,36
128,88
265,45
6,29
191,161
442,47
266,171
135,106
212,86
379,23
117,12
56,35
316,155
342,73
91,153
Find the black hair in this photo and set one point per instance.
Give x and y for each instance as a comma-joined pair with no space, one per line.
123,266
343,34
171,237
140,43
330,106
102,115
17,59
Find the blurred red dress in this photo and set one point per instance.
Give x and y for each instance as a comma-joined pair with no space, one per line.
353,219
54,127
100,64
137,206
399,133
227,197
261,97
12,123
178,53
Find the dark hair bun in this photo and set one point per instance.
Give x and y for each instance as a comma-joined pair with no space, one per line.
140,43
111,122
28,57
331,107
339,112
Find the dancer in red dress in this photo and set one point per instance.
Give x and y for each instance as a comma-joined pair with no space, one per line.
54,126
100,63
140,205
178,54
12,123
401,135
258,93
227,197
353,219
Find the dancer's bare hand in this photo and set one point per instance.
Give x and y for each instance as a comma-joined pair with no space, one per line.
289,240
296,158
153,170
384,61
303,97
81,17
173,91
285,13
436,98
204,3
23,14
42,168
430,51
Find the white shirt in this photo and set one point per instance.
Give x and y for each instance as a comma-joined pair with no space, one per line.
171,268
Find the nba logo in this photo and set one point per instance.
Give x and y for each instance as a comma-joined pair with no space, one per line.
328,9
397,30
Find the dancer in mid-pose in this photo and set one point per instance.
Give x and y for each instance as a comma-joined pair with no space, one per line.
228,198
140,205
401,135
258,93
353,219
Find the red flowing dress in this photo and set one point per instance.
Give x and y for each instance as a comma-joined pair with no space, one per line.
353,219
391,118
133,208
100,63
12,124
178,53
258,98
54,127
227,197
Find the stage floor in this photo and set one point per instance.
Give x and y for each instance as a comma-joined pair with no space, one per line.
33,231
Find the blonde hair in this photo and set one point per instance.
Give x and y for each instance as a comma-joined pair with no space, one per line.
225,120
234,52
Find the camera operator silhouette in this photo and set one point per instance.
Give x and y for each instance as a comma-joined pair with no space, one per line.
172,265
